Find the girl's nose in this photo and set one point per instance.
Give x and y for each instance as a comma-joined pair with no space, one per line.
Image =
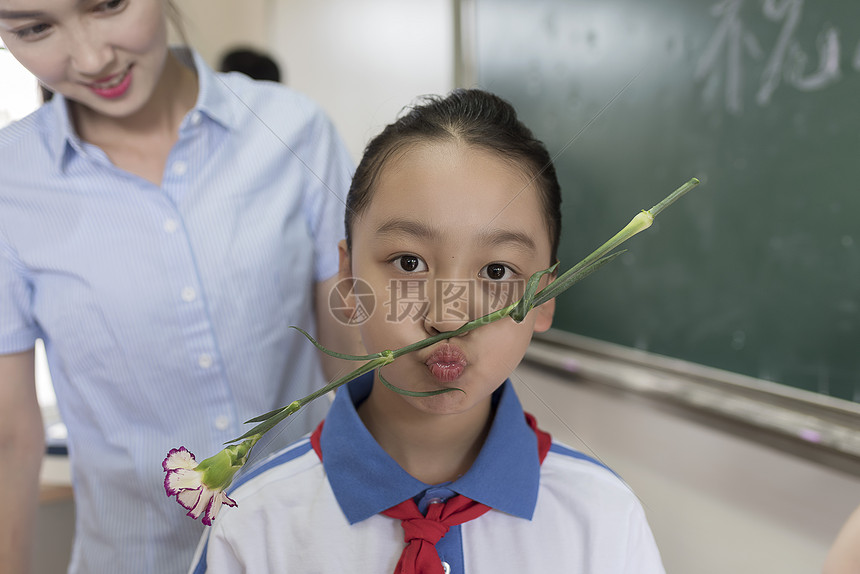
451,305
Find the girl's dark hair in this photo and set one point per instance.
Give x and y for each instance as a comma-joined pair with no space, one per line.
471,117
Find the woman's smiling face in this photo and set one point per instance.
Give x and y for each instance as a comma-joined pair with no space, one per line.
105,55
451,233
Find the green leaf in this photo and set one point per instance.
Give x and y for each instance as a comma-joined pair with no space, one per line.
398,390
519,312
269,414
571,277
271,421
331,353
272,418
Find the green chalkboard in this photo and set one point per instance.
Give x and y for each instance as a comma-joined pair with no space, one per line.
757,271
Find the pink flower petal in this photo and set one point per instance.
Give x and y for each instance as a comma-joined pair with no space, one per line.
181,479
227,500
189,499
202,503
179,458
215,506
186,483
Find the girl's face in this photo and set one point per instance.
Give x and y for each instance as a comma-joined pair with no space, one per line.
451,233
105,54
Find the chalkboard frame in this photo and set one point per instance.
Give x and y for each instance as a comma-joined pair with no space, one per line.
803,423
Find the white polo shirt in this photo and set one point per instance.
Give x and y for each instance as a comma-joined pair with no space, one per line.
297,514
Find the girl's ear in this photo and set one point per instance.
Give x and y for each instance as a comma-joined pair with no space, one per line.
343,303
544,314
345,267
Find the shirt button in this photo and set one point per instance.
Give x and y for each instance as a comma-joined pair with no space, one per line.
435,500
195,118
180,167
222,422
189,294
205,360
170,225
446,568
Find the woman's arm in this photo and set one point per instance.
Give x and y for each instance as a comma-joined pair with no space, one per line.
22,444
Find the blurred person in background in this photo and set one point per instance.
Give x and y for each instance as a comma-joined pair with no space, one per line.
252,63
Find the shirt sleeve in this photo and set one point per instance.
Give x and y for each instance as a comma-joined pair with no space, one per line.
330,174
643,555
18,329
226,550
215,555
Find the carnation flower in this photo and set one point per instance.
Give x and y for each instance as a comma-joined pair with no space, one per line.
199,487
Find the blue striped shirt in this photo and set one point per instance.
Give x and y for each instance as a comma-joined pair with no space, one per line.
165,311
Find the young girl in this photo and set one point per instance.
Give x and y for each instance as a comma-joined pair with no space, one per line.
451,209
161,226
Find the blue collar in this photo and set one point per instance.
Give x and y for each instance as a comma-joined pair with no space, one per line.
366,480
214,99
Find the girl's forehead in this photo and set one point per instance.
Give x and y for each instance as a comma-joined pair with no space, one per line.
452,189
436,161
454,173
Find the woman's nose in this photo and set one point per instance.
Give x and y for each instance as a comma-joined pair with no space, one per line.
90,54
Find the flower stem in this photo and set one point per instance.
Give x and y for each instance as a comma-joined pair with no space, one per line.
516,311
673,197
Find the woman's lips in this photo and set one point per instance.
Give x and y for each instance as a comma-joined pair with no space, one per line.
113,86
447,363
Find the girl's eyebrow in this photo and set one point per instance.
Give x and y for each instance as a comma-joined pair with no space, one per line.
496,237
491,237
407,227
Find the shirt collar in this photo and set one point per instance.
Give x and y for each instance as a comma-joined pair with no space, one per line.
214,99
63,137
366,480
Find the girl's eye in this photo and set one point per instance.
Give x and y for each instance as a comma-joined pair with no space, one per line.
410,263
497,272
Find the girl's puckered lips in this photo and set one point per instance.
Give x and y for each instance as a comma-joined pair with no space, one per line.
447,362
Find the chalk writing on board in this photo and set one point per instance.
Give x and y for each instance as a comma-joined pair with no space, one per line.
733,45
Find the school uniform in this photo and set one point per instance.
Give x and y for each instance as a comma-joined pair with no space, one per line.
298,513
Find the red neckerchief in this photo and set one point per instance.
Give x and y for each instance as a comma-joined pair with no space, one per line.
420,532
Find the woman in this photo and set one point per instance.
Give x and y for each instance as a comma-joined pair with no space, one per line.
161,227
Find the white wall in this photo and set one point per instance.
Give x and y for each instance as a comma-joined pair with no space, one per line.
716,503
213,26
361,61
364,61
19,90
